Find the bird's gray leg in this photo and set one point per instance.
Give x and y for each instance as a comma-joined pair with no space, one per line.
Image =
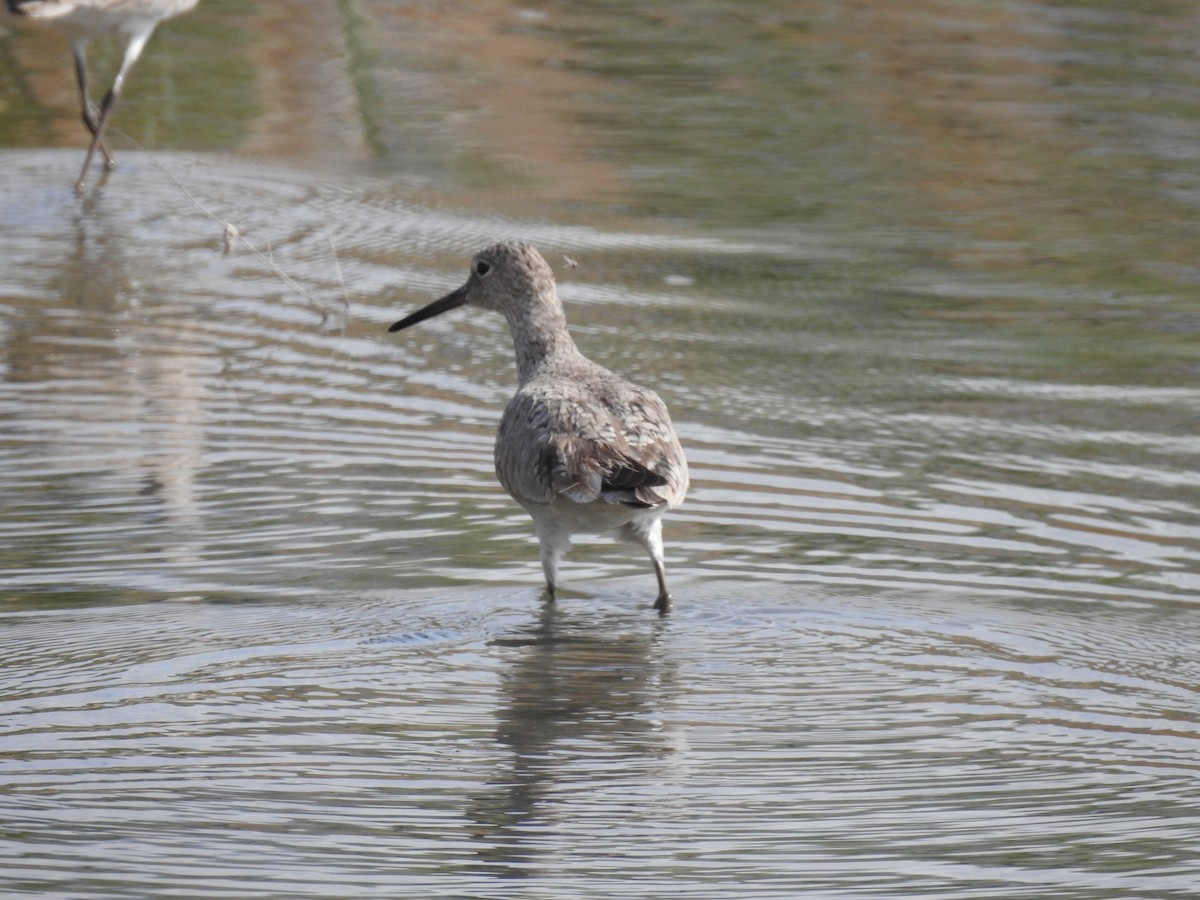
89,108
654,546
550,568
650,537
133,50
663,603
552,545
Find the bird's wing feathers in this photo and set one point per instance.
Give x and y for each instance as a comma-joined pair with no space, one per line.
608,442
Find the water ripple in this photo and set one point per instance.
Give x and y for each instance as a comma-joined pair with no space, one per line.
269,618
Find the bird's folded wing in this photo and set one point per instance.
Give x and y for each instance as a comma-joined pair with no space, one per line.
627,453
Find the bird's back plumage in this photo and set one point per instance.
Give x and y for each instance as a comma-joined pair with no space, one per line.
591,438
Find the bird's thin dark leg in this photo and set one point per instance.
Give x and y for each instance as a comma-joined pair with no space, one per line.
663,603
551,548
97,136
132,51
90,113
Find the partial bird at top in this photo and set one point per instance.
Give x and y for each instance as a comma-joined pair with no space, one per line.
582,449
133,21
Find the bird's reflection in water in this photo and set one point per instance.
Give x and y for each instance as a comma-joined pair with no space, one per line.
583,705
115,385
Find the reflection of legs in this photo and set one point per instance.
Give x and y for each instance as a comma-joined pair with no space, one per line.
89,108
133,50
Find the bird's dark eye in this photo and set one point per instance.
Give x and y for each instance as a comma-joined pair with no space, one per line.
482,268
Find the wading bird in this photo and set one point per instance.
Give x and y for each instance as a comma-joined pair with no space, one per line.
582,449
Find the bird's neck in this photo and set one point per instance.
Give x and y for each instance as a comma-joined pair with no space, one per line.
540,337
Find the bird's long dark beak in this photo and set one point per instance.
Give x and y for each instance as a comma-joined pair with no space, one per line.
451,301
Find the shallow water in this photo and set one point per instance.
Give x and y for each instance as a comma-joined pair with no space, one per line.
918,286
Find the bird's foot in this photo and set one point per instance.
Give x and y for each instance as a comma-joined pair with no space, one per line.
663,603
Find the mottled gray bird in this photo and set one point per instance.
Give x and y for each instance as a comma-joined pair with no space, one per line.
582,449
132,21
